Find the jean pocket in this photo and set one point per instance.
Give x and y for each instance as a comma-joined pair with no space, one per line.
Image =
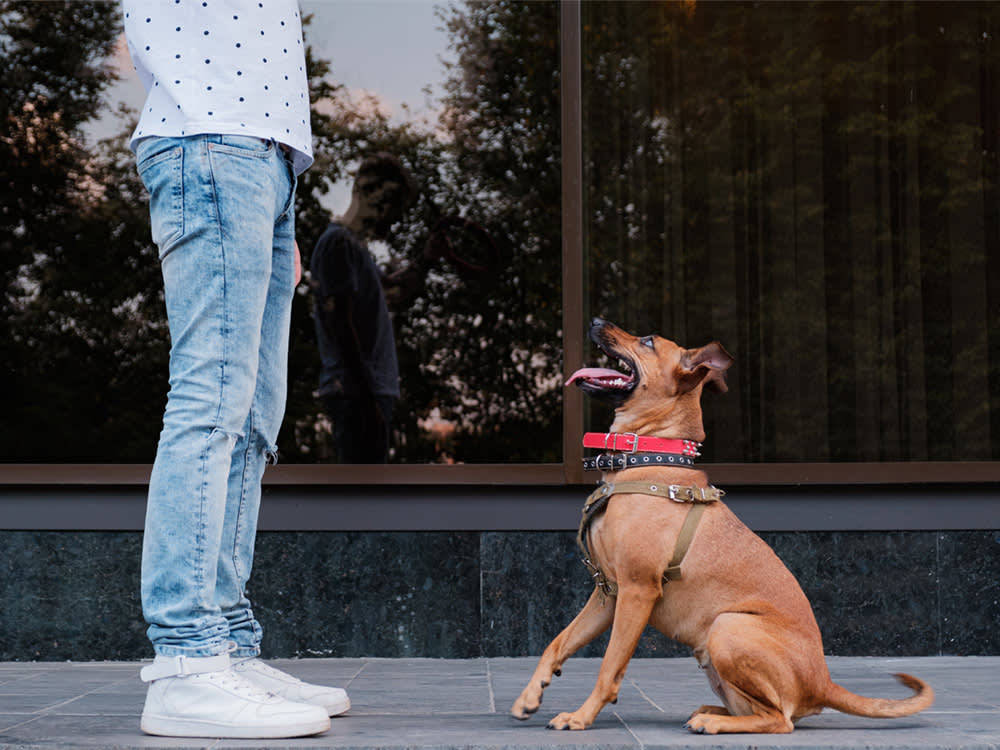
162,172
241,145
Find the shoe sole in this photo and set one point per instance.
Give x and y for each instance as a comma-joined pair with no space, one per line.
336,709
165,726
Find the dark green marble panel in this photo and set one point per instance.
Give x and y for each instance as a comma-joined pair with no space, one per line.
873,593
969,576
74,595
368,594
534,584
70,596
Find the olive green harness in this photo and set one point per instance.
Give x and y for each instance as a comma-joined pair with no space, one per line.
697,497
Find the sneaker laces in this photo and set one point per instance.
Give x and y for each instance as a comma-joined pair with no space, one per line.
268,671
233,682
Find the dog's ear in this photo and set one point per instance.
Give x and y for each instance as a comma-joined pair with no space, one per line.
707,366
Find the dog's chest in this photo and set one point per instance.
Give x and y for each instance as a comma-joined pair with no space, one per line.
635,531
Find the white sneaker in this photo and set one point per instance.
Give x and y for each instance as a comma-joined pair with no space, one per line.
204,697
334,700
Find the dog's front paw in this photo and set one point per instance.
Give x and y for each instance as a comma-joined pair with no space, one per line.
568,721
525,706
700,724
714,710
702,721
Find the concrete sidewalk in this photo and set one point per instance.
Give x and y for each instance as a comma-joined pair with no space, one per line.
432,703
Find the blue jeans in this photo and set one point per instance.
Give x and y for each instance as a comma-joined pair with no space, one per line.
221,209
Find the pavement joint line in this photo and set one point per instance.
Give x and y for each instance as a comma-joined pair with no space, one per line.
6,681
628,729
642,692
20,724
100,688
489,685
353,677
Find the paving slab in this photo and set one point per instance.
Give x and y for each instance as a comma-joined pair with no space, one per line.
463,704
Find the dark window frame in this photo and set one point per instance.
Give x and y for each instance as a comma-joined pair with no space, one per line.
569,472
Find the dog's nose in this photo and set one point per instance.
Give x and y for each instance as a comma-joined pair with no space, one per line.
596,322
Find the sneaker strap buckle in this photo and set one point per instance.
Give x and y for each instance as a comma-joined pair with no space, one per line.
179,666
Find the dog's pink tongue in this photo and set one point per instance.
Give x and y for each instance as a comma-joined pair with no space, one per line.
594,375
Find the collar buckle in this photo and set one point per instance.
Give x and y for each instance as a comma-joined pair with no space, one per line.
631,442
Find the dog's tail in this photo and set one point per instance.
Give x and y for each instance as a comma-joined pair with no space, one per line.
847,702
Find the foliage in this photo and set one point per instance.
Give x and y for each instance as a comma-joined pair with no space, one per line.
814,184
477,352
84,342
83,366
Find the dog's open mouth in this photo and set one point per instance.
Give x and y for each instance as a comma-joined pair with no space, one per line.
603,380
614,385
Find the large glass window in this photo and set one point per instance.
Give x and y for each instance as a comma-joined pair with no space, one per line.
814,185
465,95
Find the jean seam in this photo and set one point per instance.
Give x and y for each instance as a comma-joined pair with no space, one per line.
241,152
293,184
201,543
224,323
174,159
217,421
244,151
241,516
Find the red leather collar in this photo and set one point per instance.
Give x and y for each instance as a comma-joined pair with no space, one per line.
629,442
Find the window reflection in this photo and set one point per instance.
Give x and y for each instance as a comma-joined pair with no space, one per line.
472,269
813,184
474,262
359,366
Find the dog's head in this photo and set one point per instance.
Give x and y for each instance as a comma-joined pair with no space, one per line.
658,389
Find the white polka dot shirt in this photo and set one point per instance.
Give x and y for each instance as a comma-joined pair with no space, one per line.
226,67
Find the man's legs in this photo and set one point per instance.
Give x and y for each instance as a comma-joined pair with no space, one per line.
253,451
256,446
215,203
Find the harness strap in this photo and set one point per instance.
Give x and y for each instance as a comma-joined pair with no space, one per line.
673,571
676,492
597,501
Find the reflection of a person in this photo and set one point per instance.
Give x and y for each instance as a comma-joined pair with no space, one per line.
359,374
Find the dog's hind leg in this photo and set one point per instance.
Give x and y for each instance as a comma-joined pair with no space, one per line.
634,606
593,619
747,669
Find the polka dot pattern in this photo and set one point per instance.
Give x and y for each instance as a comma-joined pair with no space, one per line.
218,66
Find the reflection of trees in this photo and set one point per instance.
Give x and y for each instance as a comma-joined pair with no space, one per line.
812,183
82,361
480,352
84,343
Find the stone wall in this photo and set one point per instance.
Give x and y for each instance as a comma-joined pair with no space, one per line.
75,595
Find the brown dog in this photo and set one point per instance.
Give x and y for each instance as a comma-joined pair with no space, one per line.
727,595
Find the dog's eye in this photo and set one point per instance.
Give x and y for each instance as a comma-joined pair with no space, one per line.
648,341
